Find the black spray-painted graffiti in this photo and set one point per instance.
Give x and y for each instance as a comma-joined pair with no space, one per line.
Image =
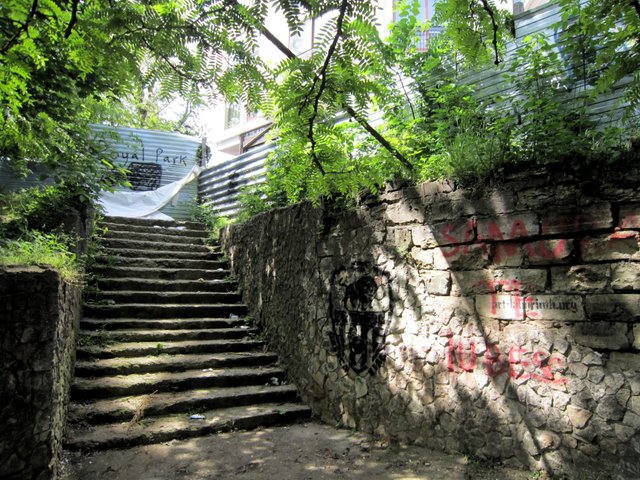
158,157
144,176
360,305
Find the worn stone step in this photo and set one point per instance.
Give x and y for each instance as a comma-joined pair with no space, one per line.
194,298
179,230
147,222
171,363
135,335
151,310
156,261
150,245
140,349
126,408
141,383
160,323
161,274
151,284
165,428
160,237
212,253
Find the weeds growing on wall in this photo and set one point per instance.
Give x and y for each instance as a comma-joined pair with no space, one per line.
265,196
540,115
32,228
39,208
433,114
44,249
210,219
65,65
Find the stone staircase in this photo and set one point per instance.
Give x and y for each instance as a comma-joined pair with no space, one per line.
164,352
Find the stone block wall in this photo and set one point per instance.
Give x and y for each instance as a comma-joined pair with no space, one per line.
504,323
39,315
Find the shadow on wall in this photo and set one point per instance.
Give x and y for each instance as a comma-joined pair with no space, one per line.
499,323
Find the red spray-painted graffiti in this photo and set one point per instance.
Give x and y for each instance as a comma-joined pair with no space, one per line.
457,233
520,364
460,236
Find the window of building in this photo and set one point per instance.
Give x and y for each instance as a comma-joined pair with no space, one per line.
426,12
302,43
233,115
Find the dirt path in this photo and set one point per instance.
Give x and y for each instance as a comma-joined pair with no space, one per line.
309,451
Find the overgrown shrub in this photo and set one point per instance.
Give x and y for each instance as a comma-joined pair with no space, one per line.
434,117
210,219
37,248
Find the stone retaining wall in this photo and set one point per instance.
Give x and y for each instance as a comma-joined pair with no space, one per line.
39,315
503,323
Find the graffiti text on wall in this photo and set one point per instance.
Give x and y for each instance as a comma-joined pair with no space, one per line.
462,235
158,156
519,363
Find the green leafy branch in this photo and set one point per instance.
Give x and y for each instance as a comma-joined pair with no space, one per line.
24,28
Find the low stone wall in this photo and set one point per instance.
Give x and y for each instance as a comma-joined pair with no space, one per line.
39,316
503,323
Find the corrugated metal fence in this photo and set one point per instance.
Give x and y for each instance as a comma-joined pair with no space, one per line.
153,158
543,21
220,184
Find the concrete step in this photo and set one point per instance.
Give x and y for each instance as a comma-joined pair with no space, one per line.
152,260
171,363
211,254
151,245
151,284
125,409
160,237
194,298
144,383
151,222
160,323
161,274
140,349
134,335
174,310
180,230
165,428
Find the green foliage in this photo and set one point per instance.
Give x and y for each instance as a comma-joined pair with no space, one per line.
36,248
453,134
553,121
447,131
317,154
66,64
39,208
32,226
59,66
478,29
262,197
210,219
609,31
432,115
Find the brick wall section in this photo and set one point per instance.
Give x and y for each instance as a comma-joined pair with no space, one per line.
504,323
39,315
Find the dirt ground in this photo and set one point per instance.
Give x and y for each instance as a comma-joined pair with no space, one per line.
307,451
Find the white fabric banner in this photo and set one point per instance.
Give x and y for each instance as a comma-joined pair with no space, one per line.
144,204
